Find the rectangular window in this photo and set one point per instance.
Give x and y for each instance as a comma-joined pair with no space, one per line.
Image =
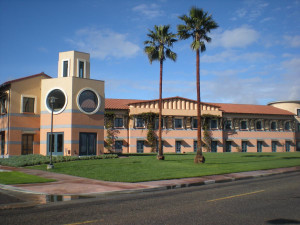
244,125
244,146
213,124
228,146
214,146
3,103
178,146
140,123
274,146
178,123
288,146
228,125
298,112
258,125
273,125
298,127
28,104
287,126
81,69
118,122
259,146
195,123
156,123
298,146
118,146
65,68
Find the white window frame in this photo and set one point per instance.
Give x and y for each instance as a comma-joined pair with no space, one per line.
84,67
135,123
163,123
119,117
98,97
178,118
62,67
66,100
35,103
247,125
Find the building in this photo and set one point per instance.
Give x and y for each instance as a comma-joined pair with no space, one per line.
229,127
80,110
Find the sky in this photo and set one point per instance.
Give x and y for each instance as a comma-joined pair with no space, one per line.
253,58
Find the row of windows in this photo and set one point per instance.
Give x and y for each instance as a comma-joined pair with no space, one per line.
214,145
81,68
213,124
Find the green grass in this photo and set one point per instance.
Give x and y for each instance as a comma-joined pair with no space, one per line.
15,177
146,168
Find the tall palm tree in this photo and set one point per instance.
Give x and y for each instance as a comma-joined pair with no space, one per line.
197,24
158,48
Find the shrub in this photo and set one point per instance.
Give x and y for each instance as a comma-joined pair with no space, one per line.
31,160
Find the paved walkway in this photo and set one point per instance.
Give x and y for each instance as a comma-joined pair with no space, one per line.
71,186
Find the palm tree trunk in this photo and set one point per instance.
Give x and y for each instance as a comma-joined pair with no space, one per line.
160,153
199,158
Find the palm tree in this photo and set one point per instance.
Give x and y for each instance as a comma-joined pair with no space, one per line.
158,48
197,25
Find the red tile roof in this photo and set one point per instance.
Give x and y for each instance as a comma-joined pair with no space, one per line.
252,109
27,77
113,103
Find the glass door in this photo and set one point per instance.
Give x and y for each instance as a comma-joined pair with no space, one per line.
2,141
228,146
87,144
27,144
214,145
57,145
259,146
178,147
140,146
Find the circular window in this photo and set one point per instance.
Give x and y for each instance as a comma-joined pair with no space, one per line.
88,101
57,99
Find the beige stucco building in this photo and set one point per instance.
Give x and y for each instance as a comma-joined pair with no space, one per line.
79,108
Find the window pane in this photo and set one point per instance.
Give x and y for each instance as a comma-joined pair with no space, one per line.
88,101
228,125
65,68
244,146
28,104
258,125
195,123
139,122
178,123
213,124
59,102
118,122
59,143
273,126
287,126
244,125
118,145
81,69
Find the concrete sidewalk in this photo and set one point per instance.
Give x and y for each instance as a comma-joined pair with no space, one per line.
68,186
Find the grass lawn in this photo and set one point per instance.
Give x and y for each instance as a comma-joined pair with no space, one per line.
146,168
15,177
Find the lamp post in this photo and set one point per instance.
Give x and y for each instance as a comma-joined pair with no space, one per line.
51,101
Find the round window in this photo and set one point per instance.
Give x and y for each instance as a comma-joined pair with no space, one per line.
88,101
57,100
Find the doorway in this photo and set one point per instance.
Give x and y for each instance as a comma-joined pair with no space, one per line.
57,143
87,144
27,144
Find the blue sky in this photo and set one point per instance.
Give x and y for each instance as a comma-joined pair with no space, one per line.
254,56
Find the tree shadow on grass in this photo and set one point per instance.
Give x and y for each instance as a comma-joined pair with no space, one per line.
258,156
290,157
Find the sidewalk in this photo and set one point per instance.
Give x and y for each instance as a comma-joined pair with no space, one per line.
71,186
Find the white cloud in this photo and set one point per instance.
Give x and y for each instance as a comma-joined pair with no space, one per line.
234,56
237,38
104,44
150,11
293,41
251,11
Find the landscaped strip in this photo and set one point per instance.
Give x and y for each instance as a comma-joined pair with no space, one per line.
147,167
15,177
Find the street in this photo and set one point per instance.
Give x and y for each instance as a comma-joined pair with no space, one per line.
265,200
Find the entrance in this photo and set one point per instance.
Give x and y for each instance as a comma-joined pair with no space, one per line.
178,146
87,144
27,144
57,143
140,146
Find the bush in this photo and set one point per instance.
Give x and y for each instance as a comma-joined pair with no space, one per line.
31,160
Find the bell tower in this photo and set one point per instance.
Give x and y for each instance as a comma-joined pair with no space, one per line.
74,64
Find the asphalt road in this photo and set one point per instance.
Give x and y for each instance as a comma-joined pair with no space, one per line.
267,200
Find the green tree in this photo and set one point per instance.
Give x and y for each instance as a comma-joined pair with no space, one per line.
158,49
197,25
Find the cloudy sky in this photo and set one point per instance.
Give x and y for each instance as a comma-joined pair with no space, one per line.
254,56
